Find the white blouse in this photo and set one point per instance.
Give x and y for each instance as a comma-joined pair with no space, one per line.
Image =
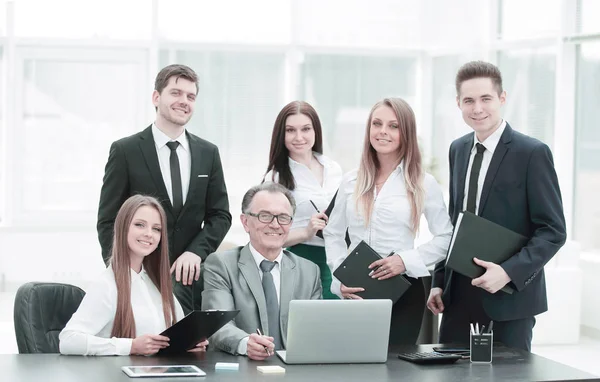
308,188
389,228
88,331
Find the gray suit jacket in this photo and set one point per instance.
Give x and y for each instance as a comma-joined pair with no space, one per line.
232,282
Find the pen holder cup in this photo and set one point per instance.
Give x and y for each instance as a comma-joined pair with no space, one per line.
481,347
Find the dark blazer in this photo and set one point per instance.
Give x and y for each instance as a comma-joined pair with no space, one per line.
520,192
133,168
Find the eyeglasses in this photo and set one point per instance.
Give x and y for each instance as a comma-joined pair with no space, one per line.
267,217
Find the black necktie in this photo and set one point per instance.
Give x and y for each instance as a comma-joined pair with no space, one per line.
175,178
475,168
272,302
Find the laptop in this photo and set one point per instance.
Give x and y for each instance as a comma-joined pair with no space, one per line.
337,331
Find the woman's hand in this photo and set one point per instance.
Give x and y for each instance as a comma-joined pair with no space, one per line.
349,292
387,268
316,223
148,344
200,346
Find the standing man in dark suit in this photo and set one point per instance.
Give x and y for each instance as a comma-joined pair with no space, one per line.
180,169
508,178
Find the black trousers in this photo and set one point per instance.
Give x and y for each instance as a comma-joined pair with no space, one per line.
466,307
407,315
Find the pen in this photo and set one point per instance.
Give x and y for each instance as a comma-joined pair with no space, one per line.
472,329
477,328
490,327
483,329
314,205
266,348
379,266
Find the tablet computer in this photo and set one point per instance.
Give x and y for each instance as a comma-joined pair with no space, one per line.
163,371
197,326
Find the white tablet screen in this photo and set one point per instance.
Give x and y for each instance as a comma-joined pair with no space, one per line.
166,370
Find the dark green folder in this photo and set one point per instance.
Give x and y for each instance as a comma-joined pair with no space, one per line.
354,272
475,236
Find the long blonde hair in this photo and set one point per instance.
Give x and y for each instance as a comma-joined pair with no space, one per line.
408,152
156,265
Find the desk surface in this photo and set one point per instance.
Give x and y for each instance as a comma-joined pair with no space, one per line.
508,365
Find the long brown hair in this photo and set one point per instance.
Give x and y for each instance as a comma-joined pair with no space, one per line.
408,151
156,265
278,155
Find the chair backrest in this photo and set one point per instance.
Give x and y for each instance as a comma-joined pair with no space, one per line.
41,311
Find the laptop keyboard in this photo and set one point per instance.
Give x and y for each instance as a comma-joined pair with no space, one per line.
429,357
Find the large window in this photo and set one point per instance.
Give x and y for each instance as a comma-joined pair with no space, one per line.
588,13
529,81
529,19
587,148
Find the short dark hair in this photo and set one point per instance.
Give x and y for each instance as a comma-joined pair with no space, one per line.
270,187
479,69
175,70
278,155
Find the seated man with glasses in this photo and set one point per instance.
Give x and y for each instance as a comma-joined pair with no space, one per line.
259,279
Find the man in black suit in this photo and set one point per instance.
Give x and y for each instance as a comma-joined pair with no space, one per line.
180,169
508,178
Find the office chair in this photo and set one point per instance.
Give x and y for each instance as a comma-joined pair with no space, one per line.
41,311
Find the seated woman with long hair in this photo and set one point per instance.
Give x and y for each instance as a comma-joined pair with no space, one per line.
296,161
123,312
382,203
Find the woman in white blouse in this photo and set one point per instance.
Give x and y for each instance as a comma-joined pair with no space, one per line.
382,203
296,161
123,312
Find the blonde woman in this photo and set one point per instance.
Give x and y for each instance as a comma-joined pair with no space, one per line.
382,203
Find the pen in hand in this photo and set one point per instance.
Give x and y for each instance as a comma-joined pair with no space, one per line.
266,348
314,205
379,266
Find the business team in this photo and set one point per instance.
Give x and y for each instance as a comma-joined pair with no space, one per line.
174,231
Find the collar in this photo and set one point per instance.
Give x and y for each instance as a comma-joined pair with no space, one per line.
161,139
258,258
143,275
492,141
320,157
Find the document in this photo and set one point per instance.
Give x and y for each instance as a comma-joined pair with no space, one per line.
354,272
197,326
475,236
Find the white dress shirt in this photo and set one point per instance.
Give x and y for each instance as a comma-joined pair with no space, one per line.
164,159
389,228
88,331
490,145
308,188
276,273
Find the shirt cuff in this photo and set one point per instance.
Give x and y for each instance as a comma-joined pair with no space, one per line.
242,348
415,267
122,345
336,287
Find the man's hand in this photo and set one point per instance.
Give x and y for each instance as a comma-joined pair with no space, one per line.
256,347
148,344
348,292
494,278
200,346
388,267
434,302
187,268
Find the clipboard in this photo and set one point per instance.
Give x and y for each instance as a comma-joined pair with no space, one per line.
197,326
354,272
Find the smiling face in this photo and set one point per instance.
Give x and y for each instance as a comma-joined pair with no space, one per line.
267,238
481,105
299,135
144,232
384,133
175,104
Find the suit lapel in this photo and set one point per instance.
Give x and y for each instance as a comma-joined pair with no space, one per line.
462,163
195,159
148,148
499,153
287,287
250,271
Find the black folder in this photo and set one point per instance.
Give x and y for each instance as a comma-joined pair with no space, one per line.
328,212
197,326
475,236
354,272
